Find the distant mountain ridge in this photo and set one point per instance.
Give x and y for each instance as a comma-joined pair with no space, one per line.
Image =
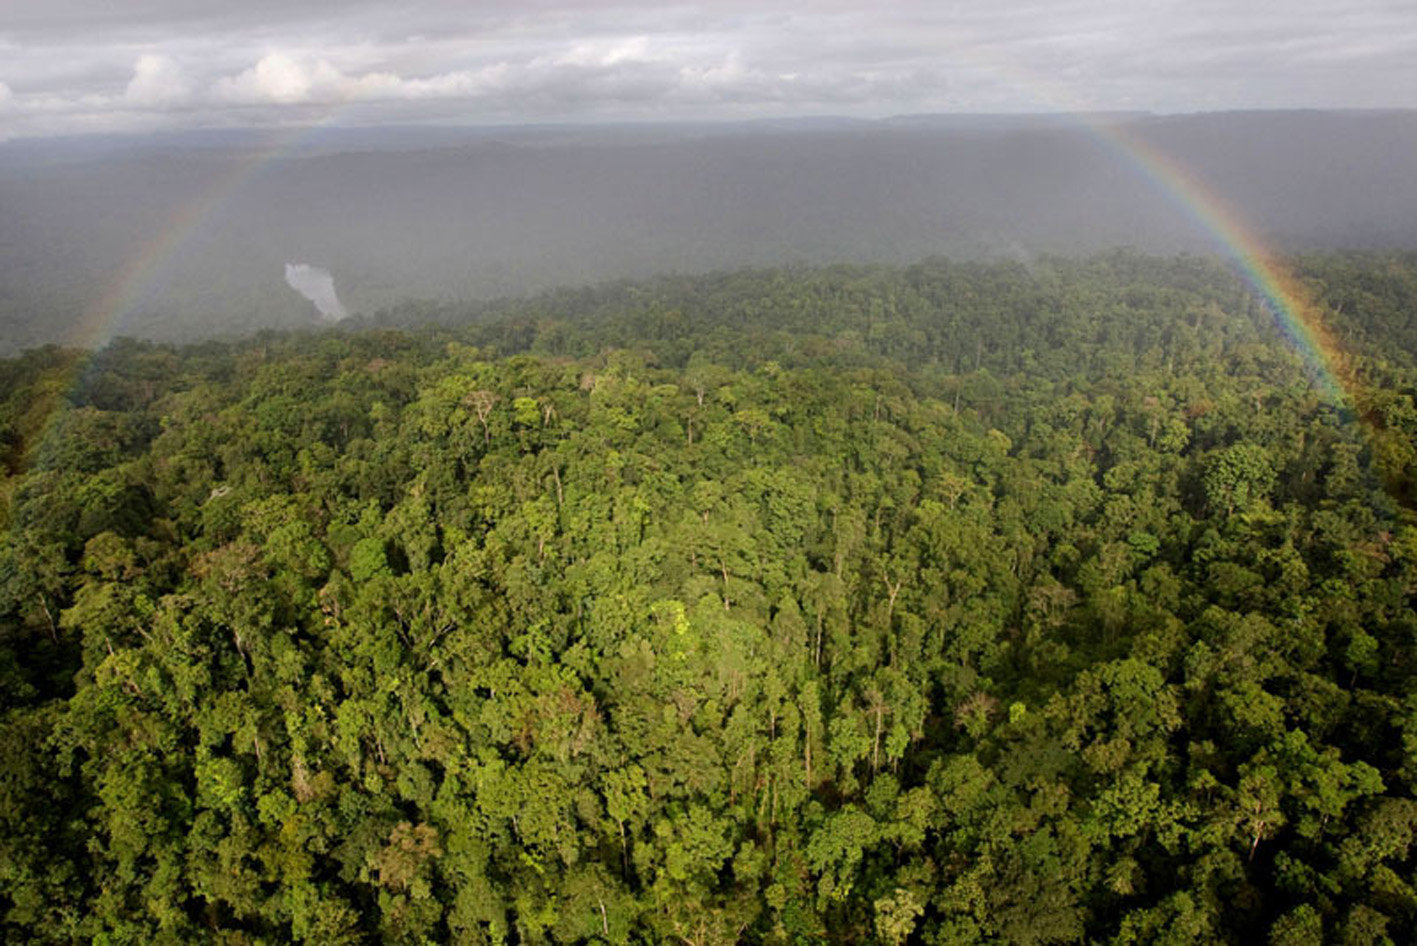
440,212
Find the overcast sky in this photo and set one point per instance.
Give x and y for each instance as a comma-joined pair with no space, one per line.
75,66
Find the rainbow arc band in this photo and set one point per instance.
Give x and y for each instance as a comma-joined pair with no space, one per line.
1298,315
103,316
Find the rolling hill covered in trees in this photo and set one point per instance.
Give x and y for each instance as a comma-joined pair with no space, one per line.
944,603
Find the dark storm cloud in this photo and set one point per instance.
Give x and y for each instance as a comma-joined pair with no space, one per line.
82,65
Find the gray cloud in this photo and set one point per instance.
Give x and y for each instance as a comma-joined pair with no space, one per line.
86,65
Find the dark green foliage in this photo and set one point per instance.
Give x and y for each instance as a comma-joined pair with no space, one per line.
956,603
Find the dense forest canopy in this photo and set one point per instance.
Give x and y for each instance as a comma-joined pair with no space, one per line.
949,603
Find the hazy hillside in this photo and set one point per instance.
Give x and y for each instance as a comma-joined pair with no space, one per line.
191,233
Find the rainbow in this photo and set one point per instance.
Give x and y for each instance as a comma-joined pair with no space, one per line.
100,319
1297,312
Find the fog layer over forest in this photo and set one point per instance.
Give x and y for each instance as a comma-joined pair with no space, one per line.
318,286
187,235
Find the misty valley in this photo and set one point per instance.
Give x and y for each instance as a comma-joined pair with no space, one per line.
318,286
182,236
